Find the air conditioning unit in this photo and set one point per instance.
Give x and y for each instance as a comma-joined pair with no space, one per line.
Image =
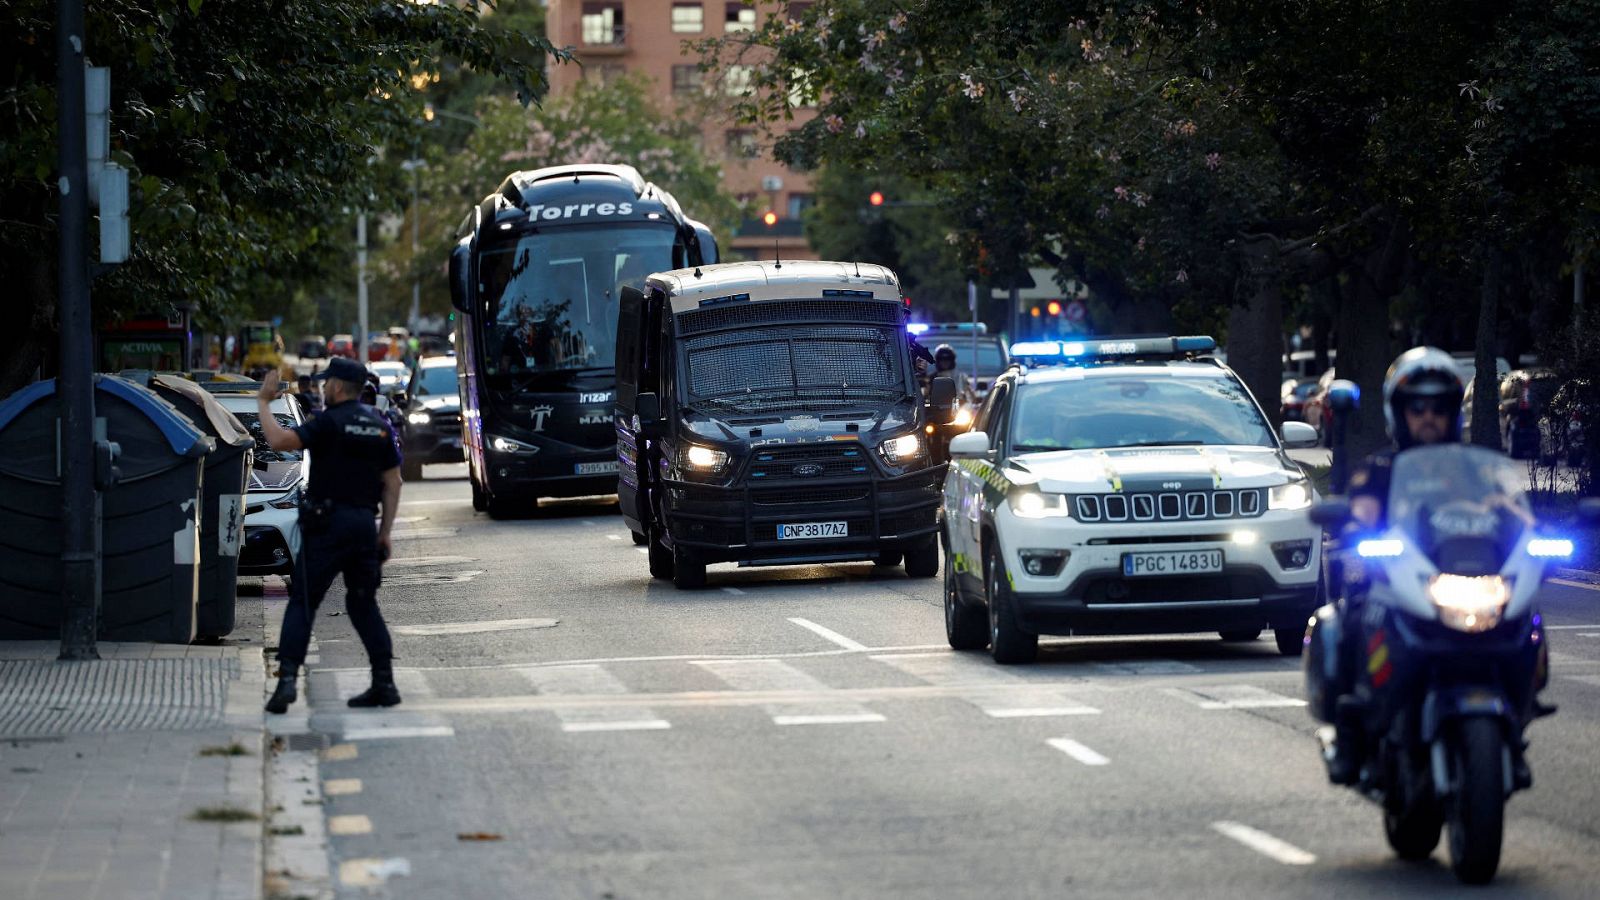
771,183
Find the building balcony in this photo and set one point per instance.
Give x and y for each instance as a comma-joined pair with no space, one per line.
594,41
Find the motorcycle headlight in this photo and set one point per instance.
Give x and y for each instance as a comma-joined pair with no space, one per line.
419,418
1469,603
1294,495
902,449
510,445
1036,505
704,459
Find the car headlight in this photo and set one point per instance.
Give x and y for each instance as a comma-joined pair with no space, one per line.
1469,603
290,500
1036,505
704,459
419,418
902,449
509,445
963,418
1294,495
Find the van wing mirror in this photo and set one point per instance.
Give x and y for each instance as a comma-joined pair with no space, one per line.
647,413
461,287
941,400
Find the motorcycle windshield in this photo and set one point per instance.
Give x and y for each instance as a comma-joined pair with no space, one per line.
1465,507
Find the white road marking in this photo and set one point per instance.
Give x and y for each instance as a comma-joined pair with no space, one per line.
1265,844
822,707
735,591
642,549
1078,751
340,753
462,501
1232,696
372,872
1577,584
380,733
341,787
472,627
588,681
409,561
613,537
1568,627
413,684
998,693
347,825
415,533
828,634
625,660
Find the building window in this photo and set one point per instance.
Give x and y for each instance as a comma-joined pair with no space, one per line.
741,144
797,10
686,79
739,18
736,81
799,203
605,73
688,18
602,23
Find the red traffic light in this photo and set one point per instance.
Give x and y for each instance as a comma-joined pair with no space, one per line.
771,218
875,198
1035,312
1053,307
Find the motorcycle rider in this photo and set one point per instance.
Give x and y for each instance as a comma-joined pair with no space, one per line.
944,363
1422,396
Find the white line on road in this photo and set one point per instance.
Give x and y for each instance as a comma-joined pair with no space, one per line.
1000,694
460,501
822,707
590,680
341,787
1232,696
472,627
1265,844
642,549
1577,584
1568,627
732,590
373,734
347,825
842,719
613,537
681,657
1589,634
1078,751
627,725
828,634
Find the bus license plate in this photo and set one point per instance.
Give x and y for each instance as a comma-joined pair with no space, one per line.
597,468
810,531
1180,562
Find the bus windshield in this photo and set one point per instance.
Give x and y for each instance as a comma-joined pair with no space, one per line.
550,297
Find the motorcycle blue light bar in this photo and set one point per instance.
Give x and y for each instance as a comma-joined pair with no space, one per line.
1111,348
1550,548
1380,549
917,327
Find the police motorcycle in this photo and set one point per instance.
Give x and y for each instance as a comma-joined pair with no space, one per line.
1448,649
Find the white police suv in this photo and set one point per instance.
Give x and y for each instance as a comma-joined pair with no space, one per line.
1125,487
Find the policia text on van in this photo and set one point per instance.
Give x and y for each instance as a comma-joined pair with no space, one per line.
767,413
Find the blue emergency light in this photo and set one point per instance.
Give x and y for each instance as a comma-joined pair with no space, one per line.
1044,352
917,327
1550,548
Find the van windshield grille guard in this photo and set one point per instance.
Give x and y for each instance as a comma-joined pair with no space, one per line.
791,312
810,366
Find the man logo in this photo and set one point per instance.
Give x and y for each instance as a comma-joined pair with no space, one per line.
808,470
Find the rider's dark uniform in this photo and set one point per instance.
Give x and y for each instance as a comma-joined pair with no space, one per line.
1371,479
350,446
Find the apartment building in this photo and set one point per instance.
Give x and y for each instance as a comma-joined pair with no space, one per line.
647,37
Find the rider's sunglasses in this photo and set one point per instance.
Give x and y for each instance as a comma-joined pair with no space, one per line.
1438,406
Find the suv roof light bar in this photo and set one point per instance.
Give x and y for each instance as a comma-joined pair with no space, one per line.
1089,351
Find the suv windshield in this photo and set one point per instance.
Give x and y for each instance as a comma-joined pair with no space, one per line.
550,297
1135,410
772,367
436,380
991,361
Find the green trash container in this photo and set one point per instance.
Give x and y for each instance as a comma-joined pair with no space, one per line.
222,509
150,520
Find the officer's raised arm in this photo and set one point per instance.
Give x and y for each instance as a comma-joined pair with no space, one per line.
278,437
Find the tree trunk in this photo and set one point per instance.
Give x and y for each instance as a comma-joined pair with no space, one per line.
1255,338
1486,384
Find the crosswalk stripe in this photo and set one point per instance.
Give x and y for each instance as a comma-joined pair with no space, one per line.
1232,696
591,680
998,693
413,683
1078,751
773,675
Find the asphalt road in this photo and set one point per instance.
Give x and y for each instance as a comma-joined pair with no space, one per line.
806,732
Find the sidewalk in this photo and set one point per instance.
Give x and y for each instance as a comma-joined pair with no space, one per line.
140,775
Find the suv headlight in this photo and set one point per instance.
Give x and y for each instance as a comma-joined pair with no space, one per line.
510,445
419,418
1294,495
903,449
1468,603
704,459
1037,505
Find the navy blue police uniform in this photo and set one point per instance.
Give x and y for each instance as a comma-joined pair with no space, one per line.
351,448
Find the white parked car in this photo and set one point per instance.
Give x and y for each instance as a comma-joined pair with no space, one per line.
272,506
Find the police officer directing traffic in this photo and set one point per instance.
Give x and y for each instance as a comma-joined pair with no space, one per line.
357,468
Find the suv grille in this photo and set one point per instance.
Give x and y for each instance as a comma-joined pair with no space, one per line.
835,462
1174,507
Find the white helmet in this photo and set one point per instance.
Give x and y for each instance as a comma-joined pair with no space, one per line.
1422,372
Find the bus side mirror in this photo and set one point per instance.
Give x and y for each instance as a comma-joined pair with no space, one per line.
461,276
941,400
647,414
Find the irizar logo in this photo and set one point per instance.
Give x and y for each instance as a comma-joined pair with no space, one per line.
578,210
600,397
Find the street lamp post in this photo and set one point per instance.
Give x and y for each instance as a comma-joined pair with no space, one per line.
415,167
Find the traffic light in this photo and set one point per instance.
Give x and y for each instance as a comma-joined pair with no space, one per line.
1034,312
1053,308
771,218
875,198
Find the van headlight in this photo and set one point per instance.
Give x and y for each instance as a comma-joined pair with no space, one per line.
903,449
419,418
1469,603
511,445
1294,495
1030,504
963,419
704,459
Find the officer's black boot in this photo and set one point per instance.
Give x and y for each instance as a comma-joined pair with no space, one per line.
284,694
382,693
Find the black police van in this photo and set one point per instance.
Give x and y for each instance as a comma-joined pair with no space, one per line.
536,276
768,413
